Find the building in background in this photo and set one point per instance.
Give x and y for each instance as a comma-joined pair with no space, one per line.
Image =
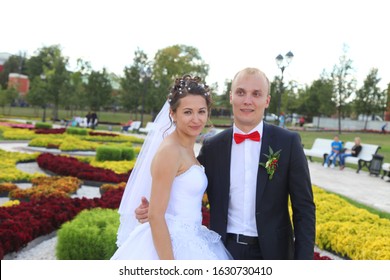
20,82
3,58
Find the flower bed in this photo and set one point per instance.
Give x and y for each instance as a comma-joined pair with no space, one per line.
22,223
9,172
70,166
45,187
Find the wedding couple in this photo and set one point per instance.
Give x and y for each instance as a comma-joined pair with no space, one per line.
250,173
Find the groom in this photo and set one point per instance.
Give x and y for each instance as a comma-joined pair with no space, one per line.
249,203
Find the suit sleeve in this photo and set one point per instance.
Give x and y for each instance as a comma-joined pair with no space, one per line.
302,202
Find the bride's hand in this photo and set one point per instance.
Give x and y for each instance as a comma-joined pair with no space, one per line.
142,211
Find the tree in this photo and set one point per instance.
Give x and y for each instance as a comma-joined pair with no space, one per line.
131,90
343,84
170,63
73,95
39,94
8,97
370,100
98,90
316,100
50,64
14,64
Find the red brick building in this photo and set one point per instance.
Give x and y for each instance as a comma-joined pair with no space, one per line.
20,82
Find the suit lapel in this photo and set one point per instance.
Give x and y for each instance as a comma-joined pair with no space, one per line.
262,177
225,153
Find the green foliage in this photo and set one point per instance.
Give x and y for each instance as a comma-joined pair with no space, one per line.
370,99
104,153
40,125
77,131
98,89
128,153
114,153
90,236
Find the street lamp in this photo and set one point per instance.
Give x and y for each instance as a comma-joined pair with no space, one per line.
43,78
282,63
144,74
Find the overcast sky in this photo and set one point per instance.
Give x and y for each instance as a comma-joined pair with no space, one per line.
229,35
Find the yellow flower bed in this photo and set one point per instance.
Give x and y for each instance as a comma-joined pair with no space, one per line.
9,172
348,230
6,187
10,203
73,143
119,138
45,141
106,187
118,167
10,133
43,187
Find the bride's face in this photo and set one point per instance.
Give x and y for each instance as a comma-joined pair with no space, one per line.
191,115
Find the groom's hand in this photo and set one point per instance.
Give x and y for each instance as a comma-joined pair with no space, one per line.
142,211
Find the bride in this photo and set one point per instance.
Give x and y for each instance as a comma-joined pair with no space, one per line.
167,170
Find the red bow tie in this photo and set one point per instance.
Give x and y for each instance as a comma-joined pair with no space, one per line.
255,136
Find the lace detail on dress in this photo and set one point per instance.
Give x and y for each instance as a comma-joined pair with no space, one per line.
188,238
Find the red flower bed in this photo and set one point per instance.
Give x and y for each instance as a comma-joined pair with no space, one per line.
50,131
93,133
70,166
17,125
23,223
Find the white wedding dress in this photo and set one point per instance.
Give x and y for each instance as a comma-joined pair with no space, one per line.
190,239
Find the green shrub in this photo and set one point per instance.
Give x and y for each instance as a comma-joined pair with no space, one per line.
104,153
90,236
43,125
128,153
77,131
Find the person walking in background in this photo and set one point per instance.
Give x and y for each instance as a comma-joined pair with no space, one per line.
94,120
383,128
336,148
354,152
282,120
254,169
88,117
301,121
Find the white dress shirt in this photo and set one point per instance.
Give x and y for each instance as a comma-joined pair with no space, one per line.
244,165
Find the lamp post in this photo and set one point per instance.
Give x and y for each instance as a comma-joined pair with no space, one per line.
282,63
43,78
145,75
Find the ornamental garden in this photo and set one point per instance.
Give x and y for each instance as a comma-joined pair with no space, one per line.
86,227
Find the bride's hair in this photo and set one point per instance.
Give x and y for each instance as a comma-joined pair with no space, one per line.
188,85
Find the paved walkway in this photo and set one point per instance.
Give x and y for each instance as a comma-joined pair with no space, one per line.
362,187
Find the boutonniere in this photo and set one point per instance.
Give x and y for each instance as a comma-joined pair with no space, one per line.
272,162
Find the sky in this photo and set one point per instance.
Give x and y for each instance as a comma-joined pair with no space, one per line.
229,34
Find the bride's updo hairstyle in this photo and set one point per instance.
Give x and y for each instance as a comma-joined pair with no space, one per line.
187,85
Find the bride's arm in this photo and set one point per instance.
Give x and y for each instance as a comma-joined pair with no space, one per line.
164,169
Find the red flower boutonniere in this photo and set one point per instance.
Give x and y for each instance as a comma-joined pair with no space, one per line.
272,162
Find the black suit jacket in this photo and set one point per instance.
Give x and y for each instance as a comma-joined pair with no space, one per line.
279,238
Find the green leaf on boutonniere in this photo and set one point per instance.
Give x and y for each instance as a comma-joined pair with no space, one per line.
272,163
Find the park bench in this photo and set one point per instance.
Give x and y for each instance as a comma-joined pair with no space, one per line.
365,156
149,126
386,170
133,127
321,148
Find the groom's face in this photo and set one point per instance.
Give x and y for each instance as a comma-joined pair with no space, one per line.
249,98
